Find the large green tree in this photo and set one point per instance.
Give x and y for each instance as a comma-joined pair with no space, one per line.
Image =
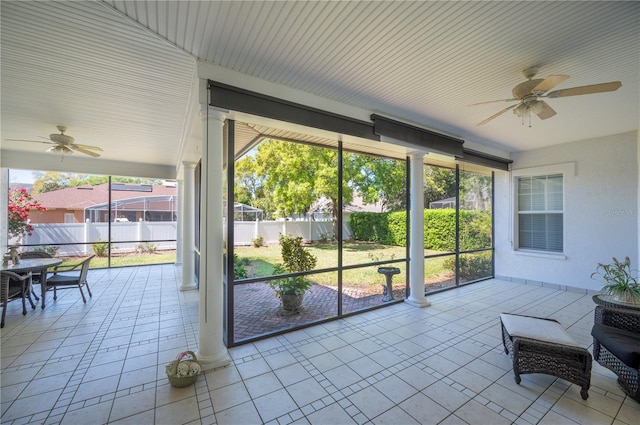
285,178
51,181
439,183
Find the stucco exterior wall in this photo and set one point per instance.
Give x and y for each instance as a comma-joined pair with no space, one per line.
600,206
55,216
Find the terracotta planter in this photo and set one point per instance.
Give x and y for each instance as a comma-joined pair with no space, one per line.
291,302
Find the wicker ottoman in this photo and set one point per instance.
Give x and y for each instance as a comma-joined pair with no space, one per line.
540,345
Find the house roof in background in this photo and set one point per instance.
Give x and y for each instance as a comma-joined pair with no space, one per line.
81,197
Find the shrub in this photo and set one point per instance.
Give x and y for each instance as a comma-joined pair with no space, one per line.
296,258
327,237
370,227
100,248
397,232
289,285
439,228
258,241
51,250
147,247
239,267
472,266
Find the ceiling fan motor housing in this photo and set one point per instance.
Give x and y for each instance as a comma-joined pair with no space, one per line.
61,139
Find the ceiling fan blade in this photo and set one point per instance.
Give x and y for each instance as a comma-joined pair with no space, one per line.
548,83
30,141
546,111
85,151
93,148
594,88
496,115
493,101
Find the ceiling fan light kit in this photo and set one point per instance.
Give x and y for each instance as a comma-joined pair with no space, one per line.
528,94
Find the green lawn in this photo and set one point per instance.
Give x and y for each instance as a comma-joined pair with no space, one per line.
261,261
160,257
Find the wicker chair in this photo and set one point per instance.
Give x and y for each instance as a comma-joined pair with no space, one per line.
14,286
66,280
36,276
616,346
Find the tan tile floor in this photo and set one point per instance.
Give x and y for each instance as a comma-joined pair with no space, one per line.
103,362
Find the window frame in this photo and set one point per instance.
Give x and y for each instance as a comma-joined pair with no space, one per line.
566,170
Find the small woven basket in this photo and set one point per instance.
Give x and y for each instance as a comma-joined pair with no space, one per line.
182,381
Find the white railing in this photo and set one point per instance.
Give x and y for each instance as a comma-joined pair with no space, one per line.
81,235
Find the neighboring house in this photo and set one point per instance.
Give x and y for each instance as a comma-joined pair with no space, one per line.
471,201
129,202
443,203
322,209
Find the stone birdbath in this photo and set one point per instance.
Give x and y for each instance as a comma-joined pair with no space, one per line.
388,272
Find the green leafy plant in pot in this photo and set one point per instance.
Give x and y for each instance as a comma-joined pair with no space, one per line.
296,258
621,284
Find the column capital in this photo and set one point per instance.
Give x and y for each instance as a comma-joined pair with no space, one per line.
211,112
188,164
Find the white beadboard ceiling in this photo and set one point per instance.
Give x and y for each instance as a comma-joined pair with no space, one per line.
119,73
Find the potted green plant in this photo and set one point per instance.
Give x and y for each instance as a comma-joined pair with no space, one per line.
621,284
296,258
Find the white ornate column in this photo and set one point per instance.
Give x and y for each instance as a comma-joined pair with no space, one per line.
179,222
188,227
416,237
212,352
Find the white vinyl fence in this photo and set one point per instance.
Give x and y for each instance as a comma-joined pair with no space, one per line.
246,231
59,234
83,234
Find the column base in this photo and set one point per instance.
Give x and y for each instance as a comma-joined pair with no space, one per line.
221,359
417,303
189,287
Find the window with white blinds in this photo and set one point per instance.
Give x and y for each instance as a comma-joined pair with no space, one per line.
540,212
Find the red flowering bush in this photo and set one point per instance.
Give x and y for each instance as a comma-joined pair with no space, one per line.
20,204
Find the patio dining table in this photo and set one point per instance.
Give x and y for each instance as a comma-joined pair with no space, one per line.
37,265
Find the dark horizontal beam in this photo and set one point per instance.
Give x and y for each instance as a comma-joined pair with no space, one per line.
241,100
416,136
480,158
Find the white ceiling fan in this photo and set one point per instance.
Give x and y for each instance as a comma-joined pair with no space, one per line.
529,93
64,144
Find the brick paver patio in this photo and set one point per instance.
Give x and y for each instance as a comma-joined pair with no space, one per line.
258,311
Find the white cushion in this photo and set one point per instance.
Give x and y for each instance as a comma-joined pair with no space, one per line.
536,328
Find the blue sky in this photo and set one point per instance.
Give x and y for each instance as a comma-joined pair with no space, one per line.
21,176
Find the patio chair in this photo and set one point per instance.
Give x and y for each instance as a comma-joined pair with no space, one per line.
36,276
67,280
616,346
13,286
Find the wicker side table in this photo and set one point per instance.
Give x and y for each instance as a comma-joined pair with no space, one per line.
608,302
539,345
